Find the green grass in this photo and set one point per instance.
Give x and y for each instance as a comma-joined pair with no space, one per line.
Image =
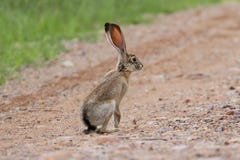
32,31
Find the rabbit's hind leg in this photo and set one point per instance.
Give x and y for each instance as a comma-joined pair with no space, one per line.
103,129
111,107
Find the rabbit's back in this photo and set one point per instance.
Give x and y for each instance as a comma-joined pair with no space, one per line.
112,87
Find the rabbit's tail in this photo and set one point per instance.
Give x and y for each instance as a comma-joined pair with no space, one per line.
88,124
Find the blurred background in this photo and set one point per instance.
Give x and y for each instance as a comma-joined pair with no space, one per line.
32,31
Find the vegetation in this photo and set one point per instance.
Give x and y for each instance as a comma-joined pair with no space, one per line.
32,31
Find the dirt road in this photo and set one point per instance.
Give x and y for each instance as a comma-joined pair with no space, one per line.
185,104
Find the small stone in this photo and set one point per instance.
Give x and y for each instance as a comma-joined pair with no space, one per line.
150,122
197,76
160,99
220,129
199,155
195,126
230,113
228,106
154,89
67,63
232,88
235,100
226,143
234,140
207,120
212,90
187,100
28,137
150,148
134,122
223,118
23,108
8,118
237,114
5,96
180,120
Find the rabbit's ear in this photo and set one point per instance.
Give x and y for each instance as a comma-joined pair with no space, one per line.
115,37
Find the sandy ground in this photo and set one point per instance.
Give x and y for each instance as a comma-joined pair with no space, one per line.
185,104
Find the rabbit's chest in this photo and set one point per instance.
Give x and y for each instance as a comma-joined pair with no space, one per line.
124,89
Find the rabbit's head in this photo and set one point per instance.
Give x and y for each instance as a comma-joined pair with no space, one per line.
126,62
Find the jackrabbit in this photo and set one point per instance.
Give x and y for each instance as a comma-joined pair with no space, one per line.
104,100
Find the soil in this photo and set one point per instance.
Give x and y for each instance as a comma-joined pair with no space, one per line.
185,104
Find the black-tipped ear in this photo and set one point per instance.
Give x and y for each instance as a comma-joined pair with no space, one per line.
115,37
107,26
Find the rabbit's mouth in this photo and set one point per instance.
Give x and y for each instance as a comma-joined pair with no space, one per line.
139,67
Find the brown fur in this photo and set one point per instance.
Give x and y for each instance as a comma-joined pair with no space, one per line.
104,100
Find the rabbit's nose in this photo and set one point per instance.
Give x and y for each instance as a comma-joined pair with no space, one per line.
140,66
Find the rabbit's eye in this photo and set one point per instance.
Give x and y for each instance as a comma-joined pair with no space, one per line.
134,59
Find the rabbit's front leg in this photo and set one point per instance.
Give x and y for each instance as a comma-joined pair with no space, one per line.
117,117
